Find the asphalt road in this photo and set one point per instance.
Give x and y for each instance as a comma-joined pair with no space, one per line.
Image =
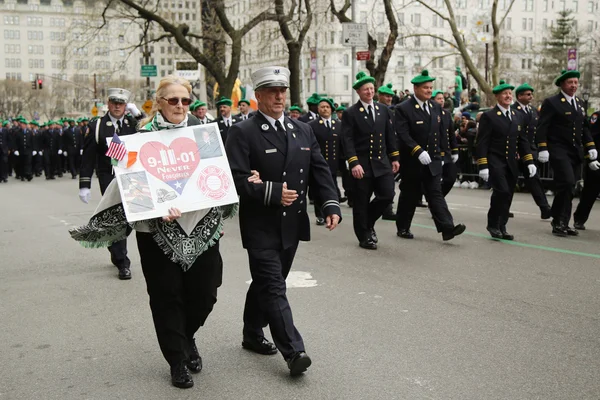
423,319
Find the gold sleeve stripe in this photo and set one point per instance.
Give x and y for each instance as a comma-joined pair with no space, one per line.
417,148
482,161
352,159
528,157
588,144
442,153
394,154
543,144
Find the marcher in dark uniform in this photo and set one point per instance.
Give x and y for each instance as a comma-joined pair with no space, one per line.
13,159
4,148
370,147
273,216
36,159
347,182
423,145
295,112
502,137
449,169
313,104
244,106
522,107
225,120
328,132
199,109
72,145
563,138
386,95
51,145
94,150
24,148
591,181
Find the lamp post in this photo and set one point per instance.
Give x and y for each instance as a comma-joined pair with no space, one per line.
586,98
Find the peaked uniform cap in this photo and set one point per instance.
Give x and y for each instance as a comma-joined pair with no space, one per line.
524,87
313,100
564,75
274,76
502,86
386,89
362,79
224,101
118,95
423,78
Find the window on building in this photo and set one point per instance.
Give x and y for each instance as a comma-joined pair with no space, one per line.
575,6
401,18
418,41
346,82
400,61
332,37
346,60
530,24
416,20
441,64
524,24
417,62
434,20
590,7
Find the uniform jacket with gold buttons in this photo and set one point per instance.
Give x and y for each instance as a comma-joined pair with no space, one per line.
562,130
367,142
293,157
329,141
530,120
419,131
501,140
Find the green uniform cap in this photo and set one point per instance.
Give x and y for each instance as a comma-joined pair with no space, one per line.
523,88
423,78
244,101
362,79
340,108
564,75
502,86
4,123
194,106
21,119
84,119
436,92
34,123
313,100
387,89
328,101
295,107
224,101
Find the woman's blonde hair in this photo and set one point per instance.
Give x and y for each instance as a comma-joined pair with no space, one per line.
160,91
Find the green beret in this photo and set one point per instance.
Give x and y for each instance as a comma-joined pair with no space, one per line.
78,120
4,123
313,100
84,119
423,78
387,89
523,88
22,120
194,106
244,101
34,122
362,79
340,108
295,107
436,92
564,75
502,86
224,101
329,101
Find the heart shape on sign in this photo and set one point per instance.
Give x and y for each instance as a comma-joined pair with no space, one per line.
173,164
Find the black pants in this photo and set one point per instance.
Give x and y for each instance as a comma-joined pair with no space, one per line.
266,301
180,301
24,166
51,163
503,184
72,157
591,190
13,162
365,211
318,203
411,192
3,166
534,185
566,173
347,183
118,250
38,164
449,173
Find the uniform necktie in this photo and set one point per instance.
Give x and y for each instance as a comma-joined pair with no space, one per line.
426,108
278,126
327,125
119,126
508,115
370,112
573,104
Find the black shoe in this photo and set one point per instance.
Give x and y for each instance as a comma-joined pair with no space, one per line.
343,199
579,226
559,230
511,215
298,363
546,213
60,175
422,204
495,233
311,202
124,273
259,344
350,203
74,177
406,234
389,216
374,238
368,244
194,363
22,179
457,230
320,221
181,377
507,236
572,232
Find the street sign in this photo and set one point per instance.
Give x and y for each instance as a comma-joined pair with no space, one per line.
572,60
95,111
354,35
147,106
363,55
149,70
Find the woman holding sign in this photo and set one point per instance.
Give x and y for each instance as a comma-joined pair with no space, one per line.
180,260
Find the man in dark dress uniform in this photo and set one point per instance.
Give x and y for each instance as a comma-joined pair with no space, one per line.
273,216
13,159
94,157
423,145
385,95
72,145
530,118
591,181
52,149
244,106
327,132
4,147
564,139
449,169
36,159
295,112
24,148
199,110
501,138
226,120
313,105
370,147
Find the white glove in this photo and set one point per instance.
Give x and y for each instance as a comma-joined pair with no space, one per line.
543,156
442,163
594,165
59,152
85,195
65,154
454,158
81,152
484,174
34,153
41,153
593,154
17,153
424,158
532,170
131,107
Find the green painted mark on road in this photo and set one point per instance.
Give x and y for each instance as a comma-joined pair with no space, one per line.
515,243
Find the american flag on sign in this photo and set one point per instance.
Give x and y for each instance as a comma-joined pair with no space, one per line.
116,149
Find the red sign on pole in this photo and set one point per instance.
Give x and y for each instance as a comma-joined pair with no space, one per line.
363,55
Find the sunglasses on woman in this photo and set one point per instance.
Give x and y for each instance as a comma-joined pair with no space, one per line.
173,101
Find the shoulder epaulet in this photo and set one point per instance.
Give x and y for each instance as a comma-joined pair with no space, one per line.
93,120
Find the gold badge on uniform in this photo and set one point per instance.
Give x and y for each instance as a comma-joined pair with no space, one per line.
361,109
321,121
377,107
518,107
563,100
108,123
499,113
519,128
416,106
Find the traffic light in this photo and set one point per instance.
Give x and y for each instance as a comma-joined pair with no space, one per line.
34,85
39,83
